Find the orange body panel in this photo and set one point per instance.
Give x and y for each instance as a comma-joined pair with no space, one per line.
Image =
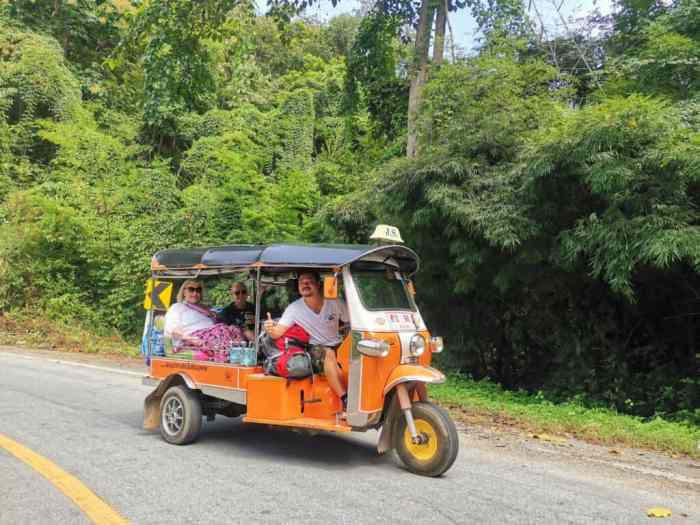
323,402
272,397
343,355
204,372
376,371
275,398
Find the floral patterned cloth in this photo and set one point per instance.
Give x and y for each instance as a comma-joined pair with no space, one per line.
216,340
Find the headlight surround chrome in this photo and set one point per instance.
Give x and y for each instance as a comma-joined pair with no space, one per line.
417,345
373,347
436,345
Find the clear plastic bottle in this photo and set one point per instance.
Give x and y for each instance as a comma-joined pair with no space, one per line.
235,354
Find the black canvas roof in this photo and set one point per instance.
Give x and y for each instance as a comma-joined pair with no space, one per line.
216,259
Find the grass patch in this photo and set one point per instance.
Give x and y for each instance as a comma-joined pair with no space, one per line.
22,329
536,414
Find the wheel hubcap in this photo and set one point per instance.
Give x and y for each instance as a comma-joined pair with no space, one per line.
427,448
173,416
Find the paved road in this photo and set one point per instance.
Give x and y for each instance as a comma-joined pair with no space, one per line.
88,421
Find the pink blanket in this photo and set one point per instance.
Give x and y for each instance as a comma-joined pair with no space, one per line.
215,342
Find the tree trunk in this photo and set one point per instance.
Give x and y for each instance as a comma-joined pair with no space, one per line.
440,26
420,74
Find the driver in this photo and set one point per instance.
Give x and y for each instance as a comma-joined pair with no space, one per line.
320,318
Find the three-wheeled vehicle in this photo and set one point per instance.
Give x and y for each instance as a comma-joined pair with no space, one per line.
385,357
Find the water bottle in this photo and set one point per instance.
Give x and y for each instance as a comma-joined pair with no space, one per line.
157,336
235,354
249,356
157,343
253,355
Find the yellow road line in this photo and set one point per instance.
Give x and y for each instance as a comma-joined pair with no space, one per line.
97,510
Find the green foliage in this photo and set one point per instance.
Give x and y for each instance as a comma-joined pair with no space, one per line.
86,29
35,83
177,64
296,199
42,260
638,164
486,107
341,33
372,75
499,18
229,198
7,161
664,56
295,125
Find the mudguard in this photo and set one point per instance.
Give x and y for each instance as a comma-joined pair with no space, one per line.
392,412
413,373
151,405
402,374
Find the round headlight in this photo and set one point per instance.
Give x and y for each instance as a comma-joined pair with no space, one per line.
417,345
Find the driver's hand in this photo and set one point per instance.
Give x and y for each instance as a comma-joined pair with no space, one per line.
269,323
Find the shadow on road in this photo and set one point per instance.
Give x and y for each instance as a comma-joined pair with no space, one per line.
325,449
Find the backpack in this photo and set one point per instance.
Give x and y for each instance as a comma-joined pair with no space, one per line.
291,359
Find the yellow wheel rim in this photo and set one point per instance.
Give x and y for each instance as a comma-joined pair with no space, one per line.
425,451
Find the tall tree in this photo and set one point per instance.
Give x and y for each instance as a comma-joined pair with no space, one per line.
419,74
420,15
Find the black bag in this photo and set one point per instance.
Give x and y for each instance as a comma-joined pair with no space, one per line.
268,346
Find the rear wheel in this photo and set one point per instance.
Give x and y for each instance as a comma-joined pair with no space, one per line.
438,445
180,415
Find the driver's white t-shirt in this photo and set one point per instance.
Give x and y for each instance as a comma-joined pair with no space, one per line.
322,327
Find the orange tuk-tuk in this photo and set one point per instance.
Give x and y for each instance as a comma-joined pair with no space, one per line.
384,357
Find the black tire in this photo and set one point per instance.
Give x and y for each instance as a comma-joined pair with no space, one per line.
180,415
435,456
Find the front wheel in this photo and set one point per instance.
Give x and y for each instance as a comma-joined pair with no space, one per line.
439,444
180,415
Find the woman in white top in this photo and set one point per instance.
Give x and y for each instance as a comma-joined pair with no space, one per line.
194,326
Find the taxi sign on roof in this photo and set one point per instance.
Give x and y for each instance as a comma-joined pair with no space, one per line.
384,232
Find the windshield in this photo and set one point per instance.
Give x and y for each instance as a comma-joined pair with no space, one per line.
382,290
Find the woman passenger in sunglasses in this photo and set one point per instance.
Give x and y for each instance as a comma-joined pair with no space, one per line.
193,326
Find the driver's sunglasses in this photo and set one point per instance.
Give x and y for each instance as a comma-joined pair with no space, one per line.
193,289
239,292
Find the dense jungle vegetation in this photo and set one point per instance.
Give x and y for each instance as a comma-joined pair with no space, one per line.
551,183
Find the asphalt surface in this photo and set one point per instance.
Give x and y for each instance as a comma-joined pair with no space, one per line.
87,419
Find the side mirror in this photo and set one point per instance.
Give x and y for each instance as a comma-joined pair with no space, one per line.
330,287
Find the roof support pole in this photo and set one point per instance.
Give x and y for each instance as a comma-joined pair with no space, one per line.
258,301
